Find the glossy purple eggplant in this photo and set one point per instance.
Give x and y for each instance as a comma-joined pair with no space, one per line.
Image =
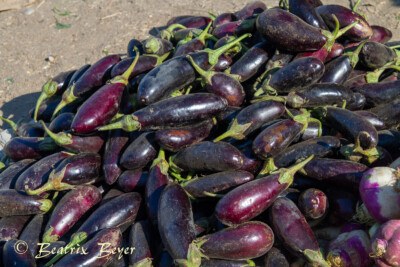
176,225
194,44
379,93
224,18
69,210
380,34
291,228
373,119
133,180
31,233
83,168
375,55
11,227
235,28
252,198
89,82
336,51
78,74
131,48
250,10
16,253
62,122
141,238
15,202
337,71
115,145
172,112
23,129
157,46
210,185
9,176
19,148
140,152
306,11
208,156
313,203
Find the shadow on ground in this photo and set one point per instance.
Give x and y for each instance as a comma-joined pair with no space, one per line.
19,107
396,2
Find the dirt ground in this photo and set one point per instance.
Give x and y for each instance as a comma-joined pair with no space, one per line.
51,36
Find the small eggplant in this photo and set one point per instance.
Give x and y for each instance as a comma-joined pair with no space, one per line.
9,176
69,210
224,18
83,168
389,113
251,10
373,119
235,28
16,253
306,11
31,233
375,55
13,202
313,203
140,152
19,148
133,180
11,227
157,46
140,238
62,122
337,51
193,45
24,129
131,48
380,34
379,93
275,258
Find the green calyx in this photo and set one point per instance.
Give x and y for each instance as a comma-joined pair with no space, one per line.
315,258
235,131
46,205
48,237
295,100
194,255
373,76
67,98
161,162
286,175
167,34
124,78
127,123
206,75
356,153
172,166
14,126
48,90
61,138
354,56
202,37
152,45
269,166
146,262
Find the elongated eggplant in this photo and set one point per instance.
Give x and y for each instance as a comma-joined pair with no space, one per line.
373,119
235,28
77,74
24,129
224,18
208,156
62,122
337,172
75,170
252,118
338,70
131,48
313,203
16,253
173,112
291,228
389,113
319,94
245,241
209,185
380,34
250,10
226,263
140,152
37,174
115,144
379,93
336,51
9,176
141,238
306,11
99,250
15,202
176,225
275,257
133,180
19,148
69,210
176,139
11,227
375,55
31,233
251,199
93,78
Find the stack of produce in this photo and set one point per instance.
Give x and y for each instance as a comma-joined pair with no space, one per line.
263,137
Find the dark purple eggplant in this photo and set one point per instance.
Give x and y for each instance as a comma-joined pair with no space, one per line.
380,34
62,122
172,112
91,80
358,102
78,74
177,73
141,238
11,227
13,202
99,250
252,198
31,233
208,156
318,95
193,45
140,152
46,109
24,129
131,48
337,172
37,174
19,148
210,185
157,46
252,118
345,16
337,71
69,210
275,258
16,253
226,263
75,143
306,11
390,140
133,180
235,28
336,51
313,203
176,139
231,52
375,55
176,225
224,18
251,10
379,93
115,144
194,21
9,176
83,168
157,180
373,119
245,241
342,205
389,113
291,228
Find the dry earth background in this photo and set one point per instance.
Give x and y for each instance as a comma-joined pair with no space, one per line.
33,49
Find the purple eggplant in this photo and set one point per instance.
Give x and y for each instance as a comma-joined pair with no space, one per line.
375,55
208,156
16,253
193,22
140,238
336,51
342,205
245,241
385,244
19,148
379,93
252,198
291,228
133,180
157,46
91,80
275,258
250,10
193,45
83,168
140,152
31,233
115,144
76,143
62,122
210,185
306,11
252,118
157,180
11,227
389,113
313,203
345,16
226,263
350,249
131,48
15,202
224,18
24,129
69,210
99,250
9,176
373,119
172,112
380,34
235,28
176,225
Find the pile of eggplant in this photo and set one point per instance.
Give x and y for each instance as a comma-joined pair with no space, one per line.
264,137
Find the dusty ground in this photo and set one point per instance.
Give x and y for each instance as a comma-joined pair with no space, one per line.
33,49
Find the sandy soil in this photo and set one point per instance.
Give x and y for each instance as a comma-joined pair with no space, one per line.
33,49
